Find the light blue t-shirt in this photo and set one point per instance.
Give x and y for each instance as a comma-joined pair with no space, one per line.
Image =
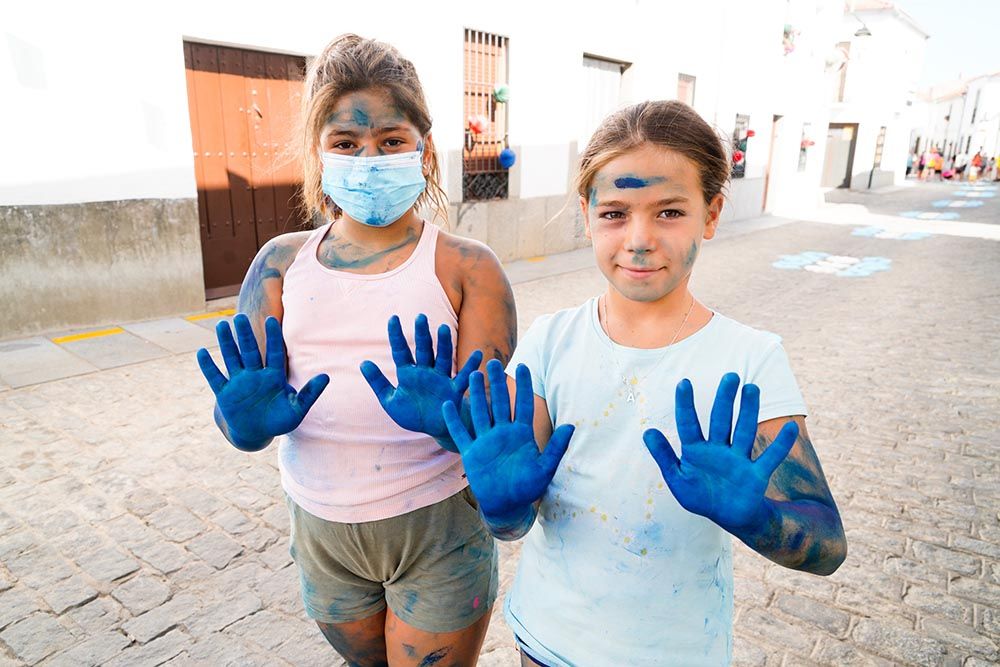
615,572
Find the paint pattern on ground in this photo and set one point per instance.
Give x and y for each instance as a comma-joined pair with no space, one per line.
837,265
982,194
930,215
880,233
957,203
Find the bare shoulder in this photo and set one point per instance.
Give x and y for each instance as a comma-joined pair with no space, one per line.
278,253
462,254
260,294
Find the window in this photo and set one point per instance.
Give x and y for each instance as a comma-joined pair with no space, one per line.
602,85
485,118
685,89
879,145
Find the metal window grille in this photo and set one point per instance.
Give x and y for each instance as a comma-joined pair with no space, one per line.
485,66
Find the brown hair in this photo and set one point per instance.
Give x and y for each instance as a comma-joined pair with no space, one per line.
667,124
349,64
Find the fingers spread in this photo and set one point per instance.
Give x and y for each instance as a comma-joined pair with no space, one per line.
377,381
555,449
311,391
227,346
216,380
499,397
477,402
746,423
688,426
456,429
720,424
778,450
444,351
249,350
397,343
473,362
524,398
275,344
422,341
661,451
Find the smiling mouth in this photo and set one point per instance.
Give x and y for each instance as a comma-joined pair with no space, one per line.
637,271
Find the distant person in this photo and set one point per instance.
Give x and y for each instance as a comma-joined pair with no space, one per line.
961,163
977,166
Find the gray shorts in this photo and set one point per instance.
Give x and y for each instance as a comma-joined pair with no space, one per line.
435,567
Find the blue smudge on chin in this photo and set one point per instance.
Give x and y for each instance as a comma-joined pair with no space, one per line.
633,182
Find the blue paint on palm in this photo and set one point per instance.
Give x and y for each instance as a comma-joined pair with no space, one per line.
256,401
425,383
505,468
715,477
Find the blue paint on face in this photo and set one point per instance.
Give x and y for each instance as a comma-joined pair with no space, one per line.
593,197
630,182
361,117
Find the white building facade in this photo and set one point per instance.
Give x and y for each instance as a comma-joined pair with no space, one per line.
103,217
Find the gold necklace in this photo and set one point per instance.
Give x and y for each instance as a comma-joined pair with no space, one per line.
630,398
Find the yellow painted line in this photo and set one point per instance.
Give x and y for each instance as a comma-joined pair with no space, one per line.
206,316
535,259
92,334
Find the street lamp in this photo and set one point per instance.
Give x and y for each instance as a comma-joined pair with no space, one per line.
863,31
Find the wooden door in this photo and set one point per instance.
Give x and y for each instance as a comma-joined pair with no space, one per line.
242,105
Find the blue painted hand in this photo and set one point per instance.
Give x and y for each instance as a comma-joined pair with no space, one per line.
714,478
256,401
425,384
505,469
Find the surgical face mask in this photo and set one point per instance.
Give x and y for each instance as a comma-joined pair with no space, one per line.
375,191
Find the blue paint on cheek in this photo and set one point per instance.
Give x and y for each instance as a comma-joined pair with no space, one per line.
420,146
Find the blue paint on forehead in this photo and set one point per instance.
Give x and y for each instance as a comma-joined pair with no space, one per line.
633,182
361,117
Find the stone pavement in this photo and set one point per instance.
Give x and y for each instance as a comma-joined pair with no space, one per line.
131,534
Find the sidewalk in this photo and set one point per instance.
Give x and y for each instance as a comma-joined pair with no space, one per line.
30,361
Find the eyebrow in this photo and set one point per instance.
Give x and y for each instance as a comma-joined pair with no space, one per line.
376,130
662,202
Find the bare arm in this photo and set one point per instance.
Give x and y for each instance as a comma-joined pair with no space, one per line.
260,298
803,530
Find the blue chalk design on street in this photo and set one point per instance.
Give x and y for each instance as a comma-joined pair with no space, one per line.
930,215
837,265
983,194
880,233
957,203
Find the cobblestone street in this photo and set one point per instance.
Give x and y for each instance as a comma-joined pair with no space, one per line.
132,534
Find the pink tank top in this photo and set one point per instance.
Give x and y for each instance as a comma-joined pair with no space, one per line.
348,461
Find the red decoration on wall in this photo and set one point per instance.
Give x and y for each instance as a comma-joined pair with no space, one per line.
751,133
737,156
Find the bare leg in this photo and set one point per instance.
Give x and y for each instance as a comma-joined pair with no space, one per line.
409,647
360,643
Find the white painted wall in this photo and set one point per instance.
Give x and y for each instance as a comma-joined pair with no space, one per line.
101,113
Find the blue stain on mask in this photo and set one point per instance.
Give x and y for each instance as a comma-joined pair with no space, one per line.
634,182
375,191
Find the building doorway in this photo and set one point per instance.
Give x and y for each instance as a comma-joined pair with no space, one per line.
839,163
242,105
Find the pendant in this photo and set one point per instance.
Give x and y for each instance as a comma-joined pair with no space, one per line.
628,387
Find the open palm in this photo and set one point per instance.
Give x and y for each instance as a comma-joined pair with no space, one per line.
256,400
424,383
505,469
716,478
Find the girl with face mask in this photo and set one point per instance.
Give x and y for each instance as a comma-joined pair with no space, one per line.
394,562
